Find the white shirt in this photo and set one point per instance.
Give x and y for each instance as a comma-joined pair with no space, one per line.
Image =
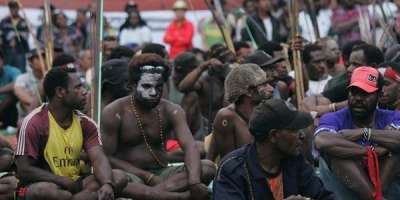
317,87
268,27
139,35
323,20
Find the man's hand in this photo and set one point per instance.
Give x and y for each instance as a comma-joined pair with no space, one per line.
10,181
297,43
155,180
106,192
213,62
297,197
199,191
381,151
73,186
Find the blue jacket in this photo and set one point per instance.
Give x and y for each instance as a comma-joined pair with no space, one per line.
240,177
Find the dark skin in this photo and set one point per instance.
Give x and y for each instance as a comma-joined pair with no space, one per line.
61,107
389,96
321,106
317,66
127,150
190,100
279,145
230,129
199,82
345,154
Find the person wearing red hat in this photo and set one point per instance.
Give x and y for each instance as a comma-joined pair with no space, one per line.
180,32
390,96
359,145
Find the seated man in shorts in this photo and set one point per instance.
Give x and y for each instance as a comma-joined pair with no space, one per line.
50,142
134,133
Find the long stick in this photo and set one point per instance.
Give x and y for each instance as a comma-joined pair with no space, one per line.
222,28
96,84
49,46
297,64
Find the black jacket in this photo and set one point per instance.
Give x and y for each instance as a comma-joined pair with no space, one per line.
258,31
240,177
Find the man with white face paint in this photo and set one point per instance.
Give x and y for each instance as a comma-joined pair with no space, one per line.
135,130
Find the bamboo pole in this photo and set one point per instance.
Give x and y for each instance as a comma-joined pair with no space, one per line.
222,27
97,41
297,63
49,45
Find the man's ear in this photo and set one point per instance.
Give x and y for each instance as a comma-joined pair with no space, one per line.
274,136
59,92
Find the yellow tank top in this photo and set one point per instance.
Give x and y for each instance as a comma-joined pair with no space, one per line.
64,147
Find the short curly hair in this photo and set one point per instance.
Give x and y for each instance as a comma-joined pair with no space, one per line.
135,66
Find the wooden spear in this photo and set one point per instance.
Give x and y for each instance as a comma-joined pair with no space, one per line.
219,19
297,63
49,46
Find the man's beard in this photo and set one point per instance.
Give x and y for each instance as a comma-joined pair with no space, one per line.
363,114
147,104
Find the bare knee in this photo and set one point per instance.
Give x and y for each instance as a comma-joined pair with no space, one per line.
45,190
208,170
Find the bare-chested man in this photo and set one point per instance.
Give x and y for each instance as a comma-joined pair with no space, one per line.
208,80
134,134
245,87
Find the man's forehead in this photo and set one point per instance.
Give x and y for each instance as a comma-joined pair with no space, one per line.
148,76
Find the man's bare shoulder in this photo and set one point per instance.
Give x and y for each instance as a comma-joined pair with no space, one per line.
226,113
170,106
116,106
225,118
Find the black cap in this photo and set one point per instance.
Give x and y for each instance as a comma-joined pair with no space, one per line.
115,71
276,114
261,58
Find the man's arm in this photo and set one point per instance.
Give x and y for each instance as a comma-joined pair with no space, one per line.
186,141
27,171
322,105
101,166
110,122
336,145
190,82
344,26
7,88
389,139
23,95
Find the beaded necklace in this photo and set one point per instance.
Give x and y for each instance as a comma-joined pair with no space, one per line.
141,129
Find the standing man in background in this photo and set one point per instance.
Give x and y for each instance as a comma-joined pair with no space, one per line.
179,33
14,37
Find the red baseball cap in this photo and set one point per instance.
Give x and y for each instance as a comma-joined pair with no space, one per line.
365,78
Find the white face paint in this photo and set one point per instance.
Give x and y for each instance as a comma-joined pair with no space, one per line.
148,86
